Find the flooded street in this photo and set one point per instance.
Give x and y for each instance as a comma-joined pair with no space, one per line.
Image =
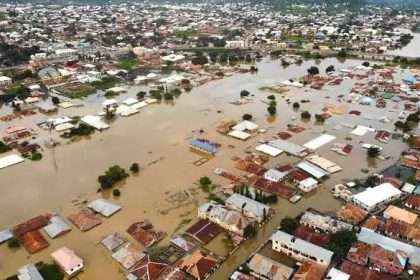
412,49
158,139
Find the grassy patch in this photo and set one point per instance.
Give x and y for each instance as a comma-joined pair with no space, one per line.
4,148
106,83
129,63
78,91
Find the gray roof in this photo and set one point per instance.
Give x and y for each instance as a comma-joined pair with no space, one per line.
103,206
312,169
29,272
5,235
56,227
369,236
113,241
249,205
288,147
302,246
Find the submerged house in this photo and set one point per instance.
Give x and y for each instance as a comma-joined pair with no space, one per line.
203,146
69,262
249,207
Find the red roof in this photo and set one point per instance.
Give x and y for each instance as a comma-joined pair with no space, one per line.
30,225
34,241
358,272
276,188
148,269
310,235
204,231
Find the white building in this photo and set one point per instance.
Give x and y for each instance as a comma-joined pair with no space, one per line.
372,198
68,261
274,175
249,207
299,249
307,185
4,81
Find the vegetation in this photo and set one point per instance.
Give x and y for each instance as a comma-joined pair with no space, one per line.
289,225
50,271
13,243
305,115
141,95
55,100
35,156
296,105
111,93
200,60
129,63
341,242
247,117
412,180
116,192
313,70
168,96
272,110
135,168
14,54
4,148
112,176
106,83
409,124
319,118
330,69
373,152
82,130
204,181
245,93
19,91
79,91
249,231
157,94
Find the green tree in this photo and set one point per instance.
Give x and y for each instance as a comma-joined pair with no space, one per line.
373,152
244,93
135,168
247,117
289,225
305,115
249,231
271,110
205,181
341,242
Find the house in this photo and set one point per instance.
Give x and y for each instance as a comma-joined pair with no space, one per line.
274,175
336,274
413,202
68,261
299,249
312,170
199,265
352,214
150,269
5,81
403,230
56,227
378,258
309,271
373,198
249,207
308,184
105,207
323,223
265,268
29,272
128,255
230,220
289,147
398,214
203,146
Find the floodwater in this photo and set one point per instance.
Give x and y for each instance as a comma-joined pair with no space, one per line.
157,138
412,49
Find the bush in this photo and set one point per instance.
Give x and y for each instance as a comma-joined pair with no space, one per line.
35,156
249,231
111,93
245,93
289,225
141,94
341,242
168,96
55,100
112,176
313,70
247,117
319,118
50,271
330,69
13,243
4,148
116,193
135,168
82,130
205,181
296,105
156,94
176,92
271,97
272,110
373,152
305,115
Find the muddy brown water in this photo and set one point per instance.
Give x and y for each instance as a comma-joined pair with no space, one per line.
157,138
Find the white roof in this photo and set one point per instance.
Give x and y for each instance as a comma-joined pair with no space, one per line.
324,164
109,102
5,235
302,246
29,272
269,150
5,79
103,206
312,169
239,134
374,196
64,126
274,175
56,226
249,205
319,141
94,121
308,182
288,147
68,260
139,105
245,125
335,274
130,101
361,130
10,160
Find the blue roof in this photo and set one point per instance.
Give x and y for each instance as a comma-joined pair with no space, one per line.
204,146
409,79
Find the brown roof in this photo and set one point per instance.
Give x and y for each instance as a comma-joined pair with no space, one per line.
404,230
148,269
31,225
310,271
373,223
198,265
276,188
85,219
34,241
310,235
413,201
144,233
352,214
204,231
358,272
359,253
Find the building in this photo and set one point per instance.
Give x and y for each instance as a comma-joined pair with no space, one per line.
376,197
323,223
308,184
398,214
68,261
29,272
265,268
249,207
274,175
199,265
5,81
230,220
299,249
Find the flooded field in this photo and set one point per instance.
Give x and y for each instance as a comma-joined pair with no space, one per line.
158,138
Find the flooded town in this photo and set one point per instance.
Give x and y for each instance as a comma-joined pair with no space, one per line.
242,140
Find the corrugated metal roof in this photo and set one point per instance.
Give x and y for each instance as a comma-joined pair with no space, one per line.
56,227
